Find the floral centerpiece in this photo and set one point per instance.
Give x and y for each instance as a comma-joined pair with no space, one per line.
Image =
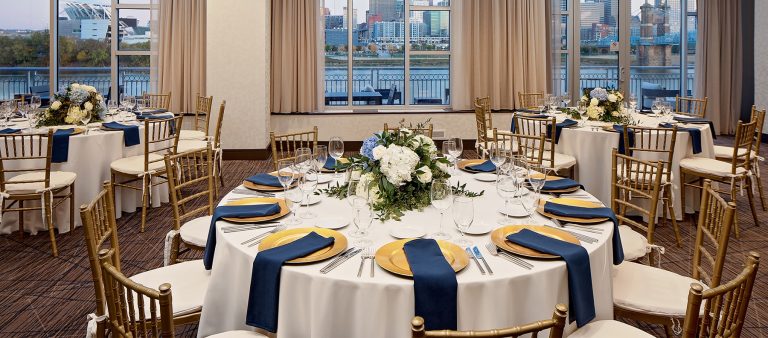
397,168
604,105
71,104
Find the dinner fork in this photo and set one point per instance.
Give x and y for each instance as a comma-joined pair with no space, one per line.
494,251
258,238
366,254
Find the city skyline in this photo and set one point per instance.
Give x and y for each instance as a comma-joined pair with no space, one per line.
26,15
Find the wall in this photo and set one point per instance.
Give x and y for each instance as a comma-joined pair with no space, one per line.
761,50
238,69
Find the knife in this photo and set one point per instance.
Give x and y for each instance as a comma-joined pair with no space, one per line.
471,255
479,255
342,260
338,257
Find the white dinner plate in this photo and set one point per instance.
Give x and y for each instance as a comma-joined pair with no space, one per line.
331,222
403,232
514,210
479,229
485,177
313,199
324,178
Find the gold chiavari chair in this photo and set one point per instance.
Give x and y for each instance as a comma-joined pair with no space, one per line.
691,106
725,153
158,101
535,126
426,131
554,325
189,278
191,190
284,146
720,311
658,296
26,176
484,122
530,147
201,120
160,138
194,145
634,180
735,173
656,143
529,100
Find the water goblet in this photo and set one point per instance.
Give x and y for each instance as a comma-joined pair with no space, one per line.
294,197
463,215
441,197
307,185
449,148
507,188
336,150
456,150
321,156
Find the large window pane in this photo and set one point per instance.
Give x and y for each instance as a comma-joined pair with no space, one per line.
430,31
336,52
693,28
24,47
133,74
84,43
430,79
598,29
378,59
134,29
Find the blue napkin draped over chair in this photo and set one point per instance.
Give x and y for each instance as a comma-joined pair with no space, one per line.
486,167
695,136
560,184
631,134
580,294
264,296
698,120
130,133
434,284
581,212
265,179
9,131
234,211
60,151
330,164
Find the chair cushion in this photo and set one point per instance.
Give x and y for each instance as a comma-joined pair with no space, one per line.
191,145
609,329
188,280
651,290
191,135
59,179
635,244
134,165
709,166
727,152
562,161
195,231
238,334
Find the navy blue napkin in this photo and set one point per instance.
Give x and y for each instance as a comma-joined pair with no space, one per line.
539,116
130,133
486,166
434,284
580,297
646,111
264,296
330,163
631,134
234,211
9,131
695,136
60,151
580,212
563,183
559,128
151,111
265,179
698,120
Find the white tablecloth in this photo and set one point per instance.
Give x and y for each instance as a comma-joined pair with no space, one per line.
90,157
341,305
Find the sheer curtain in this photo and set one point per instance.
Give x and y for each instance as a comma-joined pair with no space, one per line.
500,48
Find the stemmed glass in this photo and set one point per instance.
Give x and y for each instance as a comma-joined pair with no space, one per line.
304,159
336,150
441,196
321,155
24,110
112,109
35,102
456,150
656,107
582,108
286,176
633,103
307,185
449,148
7,109
537,177
566,99
357,197
34,118
540,105
463,216
497,153
295,197
507,188
85,119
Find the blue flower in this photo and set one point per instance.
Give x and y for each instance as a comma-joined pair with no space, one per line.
368,145
79,96
599,93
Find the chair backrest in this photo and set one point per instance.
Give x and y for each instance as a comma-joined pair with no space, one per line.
219,124
203,113
100,230
691,106
529,100
426,131
652,142
190,182
484,104
526,124
724,307
505,141
25,153
759,117
716,217
158,101
554,325
284,146
483,122
161,137
134,310
530,147
633,180
743,145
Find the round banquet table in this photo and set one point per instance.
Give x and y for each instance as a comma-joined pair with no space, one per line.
341,305
89,157
592,150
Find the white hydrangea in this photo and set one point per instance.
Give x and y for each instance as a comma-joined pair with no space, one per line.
379,151
88,106
74,86
74,115
398,164
426,142
55,105
91,89
425,176
594,102
593,112
612,98
368,181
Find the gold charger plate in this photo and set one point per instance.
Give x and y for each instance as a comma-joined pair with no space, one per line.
553,178
288,236
572,202
259,187
77,130
391,257
499,237
342,160
463,164
284,210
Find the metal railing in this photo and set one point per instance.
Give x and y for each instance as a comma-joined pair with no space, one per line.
18,80
640,77
427,84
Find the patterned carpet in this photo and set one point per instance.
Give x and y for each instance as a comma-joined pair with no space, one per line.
42,296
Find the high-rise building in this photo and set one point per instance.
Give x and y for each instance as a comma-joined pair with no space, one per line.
436,23
387,9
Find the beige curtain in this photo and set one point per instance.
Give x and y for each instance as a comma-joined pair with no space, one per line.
719,61
181,52
499,49
295,73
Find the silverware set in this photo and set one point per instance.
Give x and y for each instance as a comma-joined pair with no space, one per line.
367,253
580,237
341,258
494,251
253,241
242,191
248,227
477,256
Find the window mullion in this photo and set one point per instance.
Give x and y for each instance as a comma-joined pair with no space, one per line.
350,57
407,56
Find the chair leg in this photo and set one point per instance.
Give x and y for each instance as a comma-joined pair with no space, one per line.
144,200
751,197
669,332
71,206
671,209
736,222
682,196
21,219
760,191
49,219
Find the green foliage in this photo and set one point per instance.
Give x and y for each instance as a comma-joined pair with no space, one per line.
33,51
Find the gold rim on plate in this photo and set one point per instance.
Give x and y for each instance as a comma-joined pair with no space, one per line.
553,178
499,237
463,164
284,210
259,187
391,257
571,202
76,131
324,170
288,236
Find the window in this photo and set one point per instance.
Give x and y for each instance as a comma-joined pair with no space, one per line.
83,43
133,52
24,47
386,52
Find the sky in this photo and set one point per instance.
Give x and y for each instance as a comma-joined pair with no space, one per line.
34,14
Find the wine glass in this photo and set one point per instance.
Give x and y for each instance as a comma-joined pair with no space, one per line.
304,159
5,109
566,99
336,150
357,197
497,154
34,118
633,103
294,197
307,185
35,102
456,150
582,108
537,178
441,197
449,148
321,155
540,105
463,216
507,188
286,176
87,115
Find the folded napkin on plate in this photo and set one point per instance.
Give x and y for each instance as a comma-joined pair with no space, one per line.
130,133
9,131
580,297
330,163
563,183
698,120
631,134
580,212
538,116
486,166
559,128
694,132
233,211
434,284
265,179
152,111
60,151
263,299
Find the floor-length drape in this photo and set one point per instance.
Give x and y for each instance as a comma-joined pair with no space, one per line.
181,52
295,74
718,61
499,49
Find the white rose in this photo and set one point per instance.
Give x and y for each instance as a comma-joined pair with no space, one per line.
99,98
615,113
91,89
612,97
75,86
425,176
406,131
592,113
443,167
594,102
55,105
584,98
88,106
379,151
